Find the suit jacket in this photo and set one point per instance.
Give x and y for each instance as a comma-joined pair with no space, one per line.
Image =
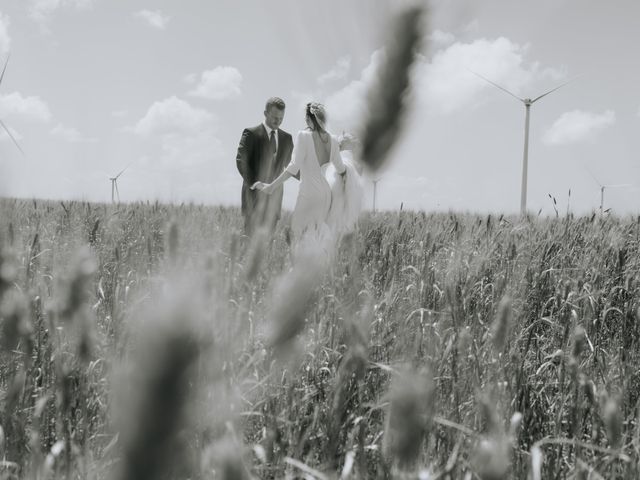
256,164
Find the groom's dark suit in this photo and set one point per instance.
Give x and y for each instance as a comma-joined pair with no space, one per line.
257,163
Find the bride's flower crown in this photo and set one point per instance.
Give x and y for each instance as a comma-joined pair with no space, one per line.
316,108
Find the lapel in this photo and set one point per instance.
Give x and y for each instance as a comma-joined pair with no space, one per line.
280,146
262,133
263,143
284,147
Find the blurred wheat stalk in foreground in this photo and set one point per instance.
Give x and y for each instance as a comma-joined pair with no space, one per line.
388,98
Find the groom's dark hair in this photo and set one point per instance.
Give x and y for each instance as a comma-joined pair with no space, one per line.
275,102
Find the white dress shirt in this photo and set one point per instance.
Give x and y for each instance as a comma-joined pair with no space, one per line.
269,130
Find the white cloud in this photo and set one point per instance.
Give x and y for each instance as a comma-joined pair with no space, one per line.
42,10
446,85
338,72
154,18
439,39
5,39
577,125
346,106
181,146
31,108
171,116
219,83
70,134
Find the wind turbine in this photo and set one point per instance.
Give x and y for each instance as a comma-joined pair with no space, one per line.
6,129
375,190
525,158
114,184
602,189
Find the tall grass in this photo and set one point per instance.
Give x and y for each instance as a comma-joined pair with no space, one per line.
407,358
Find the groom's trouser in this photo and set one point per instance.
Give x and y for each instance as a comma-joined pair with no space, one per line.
260,210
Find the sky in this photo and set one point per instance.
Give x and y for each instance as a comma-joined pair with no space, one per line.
165,89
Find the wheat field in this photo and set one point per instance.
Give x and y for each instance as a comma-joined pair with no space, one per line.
154,341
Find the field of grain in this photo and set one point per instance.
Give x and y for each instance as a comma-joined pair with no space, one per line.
152,341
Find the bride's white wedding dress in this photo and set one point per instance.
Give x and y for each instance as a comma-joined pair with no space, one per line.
346,196
328,200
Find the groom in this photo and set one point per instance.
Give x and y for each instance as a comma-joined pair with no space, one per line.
263,154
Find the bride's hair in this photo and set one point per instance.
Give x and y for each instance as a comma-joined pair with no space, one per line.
318,116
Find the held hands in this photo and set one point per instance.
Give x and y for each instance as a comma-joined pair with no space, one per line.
263,187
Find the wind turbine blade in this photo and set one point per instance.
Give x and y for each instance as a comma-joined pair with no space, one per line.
594,177
619,185
125,168
11,137
121,172
496,85
4,69
552,90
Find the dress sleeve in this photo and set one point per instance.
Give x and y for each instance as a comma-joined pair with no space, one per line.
299,151
336,158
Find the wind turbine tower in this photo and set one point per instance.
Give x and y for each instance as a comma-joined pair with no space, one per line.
525,157
375,191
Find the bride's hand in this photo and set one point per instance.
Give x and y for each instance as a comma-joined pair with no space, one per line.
263,187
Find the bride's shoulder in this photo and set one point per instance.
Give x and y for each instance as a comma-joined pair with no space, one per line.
306,133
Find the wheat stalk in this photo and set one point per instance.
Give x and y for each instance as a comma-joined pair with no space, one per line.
387,98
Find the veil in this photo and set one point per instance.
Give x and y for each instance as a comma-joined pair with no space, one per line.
346,191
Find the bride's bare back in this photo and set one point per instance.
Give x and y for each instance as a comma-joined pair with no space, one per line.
310,157
322,147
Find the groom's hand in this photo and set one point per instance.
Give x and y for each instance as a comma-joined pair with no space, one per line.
266,188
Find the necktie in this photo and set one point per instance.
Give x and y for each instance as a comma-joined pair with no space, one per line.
272,142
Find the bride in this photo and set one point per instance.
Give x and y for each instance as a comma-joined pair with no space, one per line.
328,200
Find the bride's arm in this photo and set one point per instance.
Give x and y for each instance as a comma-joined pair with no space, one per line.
269,188
292,169
336,158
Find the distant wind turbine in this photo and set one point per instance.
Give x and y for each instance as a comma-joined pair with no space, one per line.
114,184
6,129
525,158
375,192
602,189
